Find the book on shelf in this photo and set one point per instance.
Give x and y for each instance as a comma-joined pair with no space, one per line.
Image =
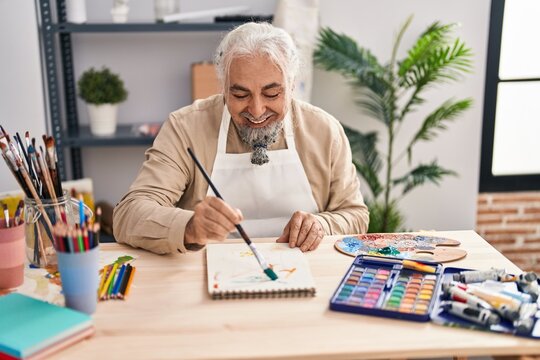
34,329
234,273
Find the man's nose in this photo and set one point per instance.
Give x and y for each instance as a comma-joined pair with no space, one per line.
257,106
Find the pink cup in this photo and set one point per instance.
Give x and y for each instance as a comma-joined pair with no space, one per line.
12,256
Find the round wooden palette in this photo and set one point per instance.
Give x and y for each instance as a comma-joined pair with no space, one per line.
406,246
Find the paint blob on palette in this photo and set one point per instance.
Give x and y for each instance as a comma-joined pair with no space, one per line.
402,245
386,288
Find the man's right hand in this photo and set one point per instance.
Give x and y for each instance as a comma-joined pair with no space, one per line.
213,219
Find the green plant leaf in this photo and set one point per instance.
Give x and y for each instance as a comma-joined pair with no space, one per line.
339,52
422,174
434,36
377,214
101,87
388,93
443,62
436,121
365,157
434,58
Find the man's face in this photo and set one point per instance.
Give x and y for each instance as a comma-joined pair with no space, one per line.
255,95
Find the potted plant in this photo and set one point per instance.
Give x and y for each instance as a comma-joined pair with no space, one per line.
390,93
102,90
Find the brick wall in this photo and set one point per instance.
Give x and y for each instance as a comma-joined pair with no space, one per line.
511,223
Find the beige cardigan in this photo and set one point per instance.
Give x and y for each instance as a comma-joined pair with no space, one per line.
154,213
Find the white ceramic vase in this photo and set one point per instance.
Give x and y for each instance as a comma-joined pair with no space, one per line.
76,11
120,14
103,119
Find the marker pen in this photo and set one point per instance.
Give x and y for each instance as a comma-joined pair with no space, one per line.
483,317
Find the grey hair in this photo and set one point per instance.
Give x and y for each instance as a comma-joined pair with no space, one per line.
253,39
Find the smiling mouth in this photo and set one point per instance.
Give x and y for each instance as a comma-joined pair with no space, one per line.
254,120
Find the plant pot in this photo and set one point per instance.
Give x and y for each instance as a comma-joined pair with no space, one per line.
103,119
119,14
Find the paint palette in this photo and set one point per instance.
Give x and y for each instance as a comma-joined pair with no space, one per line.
402,245
384,287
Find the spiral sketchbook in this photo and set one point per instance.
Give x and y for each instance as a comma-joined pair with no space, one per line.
234,273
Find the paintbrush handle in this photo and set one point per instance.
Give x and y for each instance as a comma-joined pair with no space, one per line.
215,190
201,168
260,259
243,234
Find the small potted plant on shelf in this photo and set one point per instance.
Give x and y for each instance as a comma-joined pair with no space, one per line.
102,90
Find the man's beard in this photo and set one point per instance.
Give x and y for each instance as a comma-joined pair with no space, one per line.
260,138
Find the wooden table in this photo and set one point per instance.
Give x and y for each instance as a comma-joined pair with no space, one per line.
169,315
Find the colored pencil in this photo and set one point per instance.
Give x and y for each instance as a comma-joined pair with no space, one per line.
123,285
104,273
118,281
130,281
108,282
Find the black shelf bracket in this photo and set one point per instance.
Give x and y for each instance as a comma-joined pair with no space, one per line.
51,77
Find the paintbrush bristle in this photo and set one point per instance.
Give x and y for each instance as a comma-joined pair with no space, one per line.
271,274
49,143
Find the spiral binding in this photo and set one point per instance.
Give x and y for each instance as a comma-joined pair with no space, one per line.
263,294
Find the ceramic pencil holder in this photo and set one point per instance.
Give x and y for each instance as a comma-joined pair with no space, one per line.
80,279
11,256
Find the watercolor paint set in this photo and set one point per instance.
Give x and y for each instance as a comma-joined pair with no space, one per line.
390,287
488,300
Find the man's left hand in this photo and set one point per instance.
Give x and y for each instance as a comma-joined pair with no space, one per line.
303,231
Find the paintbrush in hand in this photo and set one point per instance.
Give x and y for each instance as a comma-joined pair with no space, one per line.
264,265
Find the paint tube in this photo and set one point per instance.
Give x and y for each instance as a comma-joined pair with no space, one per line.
476,276
509,289
524,326
483,317
457,294
528,283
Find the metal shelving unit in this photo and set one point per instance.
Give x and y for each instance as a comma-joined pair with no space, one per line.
57,57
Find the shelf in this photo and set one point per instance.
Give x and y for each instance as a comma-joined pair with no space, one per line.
141,27
124,136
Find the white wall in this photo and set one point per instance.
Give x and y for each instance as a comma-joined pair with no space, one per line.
21,92
374,24
155,68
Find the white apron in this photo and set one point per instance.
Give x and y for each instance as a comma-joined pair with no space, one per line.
267,195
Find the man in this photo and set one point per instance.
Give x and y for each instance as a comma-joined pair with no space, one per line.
283,167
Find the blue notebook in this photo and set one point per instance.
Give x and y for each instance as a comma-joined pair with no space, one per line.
28,325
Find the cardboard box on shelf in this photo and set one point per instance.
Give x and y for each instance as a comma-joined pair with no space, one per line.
204,82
